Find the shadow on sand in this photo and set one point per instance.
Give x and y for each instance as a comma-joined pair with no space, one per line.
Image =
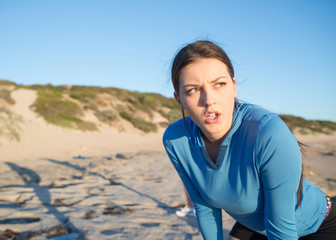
112,182
170,210
32,180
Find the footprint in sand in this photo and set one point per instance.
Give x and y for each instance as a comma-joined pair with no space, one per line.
113,231
150,224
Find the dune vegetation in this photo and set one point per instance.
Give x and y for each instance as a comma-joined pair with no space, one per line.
68,106
304,126
9,124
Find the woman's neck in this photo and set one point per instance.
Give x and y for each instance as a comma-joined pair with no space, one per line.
212,147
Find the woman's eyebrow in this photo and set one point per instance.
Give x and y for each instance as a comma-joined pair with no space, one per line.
216,79
191,85
196,84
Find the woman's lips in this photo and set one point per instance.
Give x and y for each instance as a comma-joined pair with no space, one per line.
212,117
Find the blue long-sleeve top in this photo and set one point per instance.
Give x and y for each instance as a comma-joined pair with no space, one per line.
254,179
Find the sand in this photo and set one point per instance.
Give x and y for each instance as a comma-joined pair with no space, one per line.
67,184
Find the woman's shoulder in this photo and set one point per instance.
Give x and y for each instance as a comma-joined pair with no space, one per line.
264,123
255,113
260,119
177,129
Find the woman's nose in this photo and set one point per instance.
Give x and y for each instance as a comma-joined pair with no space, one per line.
208,98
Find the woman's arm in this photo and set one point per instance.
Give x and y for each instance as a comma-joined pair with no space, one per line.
280,162
209,218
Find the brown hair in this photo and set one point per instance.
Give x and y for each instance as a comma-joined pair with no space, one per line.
299,191
196,51
206,49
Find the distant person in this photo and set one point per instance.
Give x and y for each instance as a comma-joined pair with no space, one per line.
239,157
188,209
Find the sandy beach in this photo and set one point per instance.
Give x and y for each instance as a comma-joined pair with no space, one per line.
57,183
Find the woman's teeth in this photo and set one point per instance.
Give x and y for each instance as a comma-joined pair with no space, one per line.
212,115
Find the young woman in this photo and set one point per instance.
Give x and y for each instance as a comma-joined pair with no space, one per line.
239,157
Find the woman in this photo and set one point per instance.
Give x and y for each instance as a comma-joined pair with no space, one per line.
238,157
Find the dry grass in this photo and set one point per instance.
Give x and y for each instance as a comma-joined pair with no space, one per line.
6,95
9,124
307,127
51,104
66,106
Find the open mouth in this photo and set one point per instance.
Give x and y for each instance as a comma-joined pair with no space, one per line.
212,116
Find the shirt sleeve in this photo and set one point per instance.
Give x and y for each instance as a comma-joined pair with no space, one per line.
209,218
280,168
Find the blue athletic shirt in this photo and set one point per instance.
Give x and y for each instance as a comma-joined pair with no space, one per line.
255,177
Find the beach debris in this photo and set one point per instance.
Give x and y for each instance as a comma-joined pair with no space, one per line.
78,177
8,234
80,157
65,202
57,232
92,165
329,153
120,156
116,210
89,214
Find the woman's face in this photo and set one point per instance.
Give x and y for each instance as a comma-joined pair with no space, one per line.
207,93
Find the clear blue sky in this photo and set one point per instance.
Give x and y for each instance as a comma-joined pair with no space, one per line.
284,52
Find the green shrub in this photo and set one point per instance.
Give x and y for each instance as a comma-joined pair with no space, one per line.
163,113
156,101
125,116
64,113
149,101
60,120
6,95
106,115
86,126
68,121
48,87
9,124
6,82
121,94
54,106
139,123
174,115
306,126
146,102
144,125
84,94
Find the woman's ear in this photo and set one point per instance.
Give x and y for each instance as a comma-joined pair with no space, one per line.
178,100
234,80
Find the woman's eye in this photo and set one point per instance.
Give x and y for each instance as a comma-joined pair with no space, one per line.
220,84
192,91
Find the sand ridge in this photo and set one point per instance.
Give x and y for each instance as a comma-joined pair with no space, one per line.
38,138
